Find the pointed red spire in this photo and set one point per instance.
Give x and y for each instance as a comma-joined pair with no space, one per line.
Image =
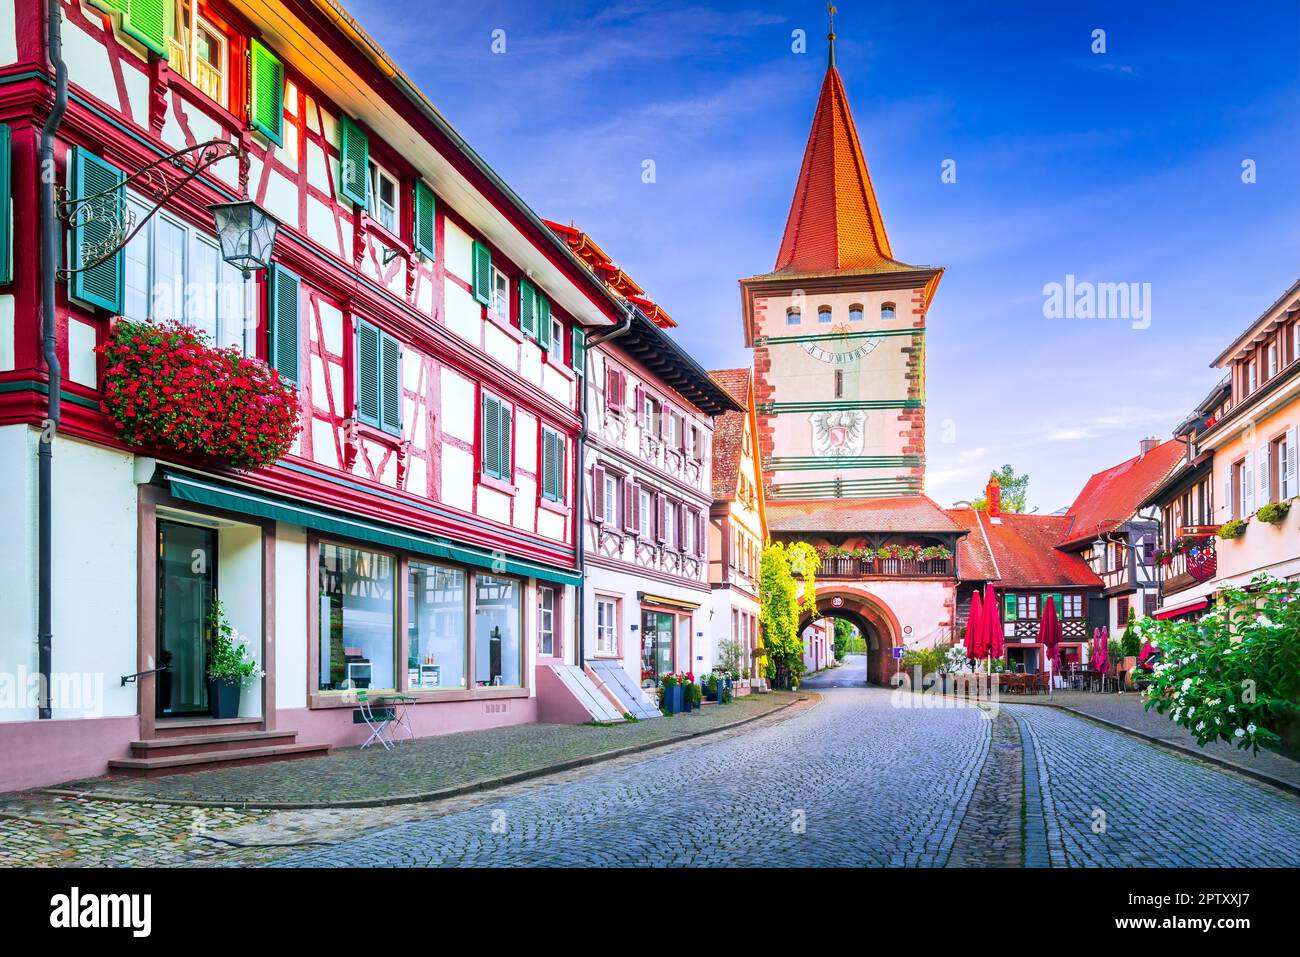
834,221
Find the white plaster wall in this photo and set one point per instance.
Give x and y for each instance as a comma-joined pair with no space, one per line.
463,314
7,332
8,32
239,584
293,580
458,251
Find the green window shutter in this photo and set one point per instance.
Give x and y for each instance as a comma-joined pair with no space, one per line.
579,358
424,219
527,309
390,383
368,374
552,458
507,448
482,273
6,204
268,94
149,21
490,440
354,162
1009,607
102,285
543,321
283,330
1060,607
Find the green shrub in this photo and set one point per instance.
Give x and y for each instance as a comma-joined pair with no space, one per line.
1232,529
1273,512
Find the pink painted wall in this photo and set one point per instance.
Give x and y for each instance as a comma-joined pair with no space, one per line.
42,753
334,725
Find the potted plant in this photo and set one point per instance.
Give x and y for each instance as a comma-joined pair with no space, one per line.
230,669
1273,512
673,694
1233,529
711,687
692,692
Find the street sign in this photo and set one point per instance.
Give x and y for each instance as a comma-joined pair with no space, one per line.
898,653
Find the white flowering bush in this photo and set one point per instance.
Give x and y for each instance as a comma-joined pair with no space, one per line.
1234,675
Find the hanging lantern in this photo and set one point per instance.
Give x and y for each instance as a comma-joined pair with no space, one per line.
247,233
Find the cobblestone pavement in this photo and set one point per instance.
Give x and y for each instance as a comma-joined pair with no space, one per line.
851,674
1112,800
990,834
426,764
853,781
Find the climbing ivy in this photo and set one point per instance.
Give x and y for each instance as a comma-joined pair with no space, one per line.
781,609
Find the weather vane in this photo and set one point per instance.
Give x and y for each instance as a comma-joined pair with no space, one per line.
832,10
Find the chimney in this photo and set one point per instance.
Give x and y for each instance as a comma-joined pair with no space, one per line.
1149,443
993,495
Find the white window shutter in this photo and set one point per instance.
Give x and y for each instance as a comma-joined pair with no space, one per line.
1264,489
1288,467
1227,494
1248,486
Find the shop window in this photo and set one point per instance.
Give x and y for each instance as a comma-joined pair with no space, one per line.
497,648
172,273
607,626
437,632
356,626
657,634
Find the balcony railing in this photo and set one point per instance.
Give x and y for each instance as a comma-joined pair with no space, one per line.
849,567
1198,564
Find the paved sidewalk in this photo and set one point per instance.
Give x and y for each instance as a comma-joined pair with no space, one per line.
1126,711
424,769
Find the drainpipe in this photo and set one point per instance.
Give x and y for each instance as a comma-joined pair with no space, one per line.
45,451
580,647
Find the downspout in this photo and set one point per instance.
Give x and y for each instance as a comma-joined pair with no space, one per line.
580,647
45,449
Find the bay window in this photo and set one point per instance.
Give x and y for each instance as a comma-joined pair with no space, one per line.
356,619
436,626
498,658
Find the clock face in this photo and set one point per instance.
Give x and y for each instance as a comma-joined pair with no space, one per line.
848,351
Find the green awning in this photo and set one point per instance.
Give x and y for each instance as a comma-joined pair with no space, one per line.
233,499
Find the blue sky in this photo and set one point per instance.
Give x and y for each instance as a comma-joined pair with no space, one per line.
1117,167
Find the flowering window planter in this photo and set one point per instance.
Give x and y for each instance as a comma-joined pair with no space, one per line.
166,387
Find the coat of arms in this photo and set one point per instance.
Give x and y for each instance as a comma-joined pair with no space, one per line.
837,432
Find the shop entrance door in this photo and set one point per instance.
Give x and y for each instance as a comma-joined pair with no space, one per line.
656,646
187,584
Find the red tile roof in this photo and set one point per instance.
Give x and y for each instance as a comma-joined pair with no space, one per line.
910,513
729,433
1111,498
834,222
1018,551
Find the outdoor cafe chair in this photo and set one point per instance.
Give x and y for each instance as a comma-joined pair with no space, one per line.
378,720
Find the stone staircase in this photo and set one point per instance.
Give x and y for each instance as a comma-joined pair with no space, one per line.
204,746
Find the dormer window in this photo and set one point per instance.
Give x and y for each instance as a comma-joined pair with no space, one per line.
1251,381
199,52
1272,360
823,314
383,197
887,311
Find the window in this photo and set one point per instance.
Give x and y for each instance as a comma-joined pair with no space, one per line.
382,203
648,409
497,657
614,389
552,477
436,626
556,347
645,513
1073,606
688,531
1295,340
855,312
547,607
379,378
356,620
172,272
1121,610
839,383
823,314
495,447
197,50
610,494
1272,360
669,532
792,316
1027,606
887,311
607,626
499,293
1250,377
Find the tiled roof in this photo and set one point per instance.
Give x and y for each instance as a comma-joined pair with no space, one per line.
1018,551
834,222
910,513
729,433
1111,498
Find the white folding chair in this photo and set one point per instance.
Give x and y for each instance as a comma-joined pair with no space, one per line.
378,720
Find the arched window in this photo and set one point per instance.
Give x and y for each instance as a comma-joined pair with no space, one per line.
792,316
855,312
887,310
823,313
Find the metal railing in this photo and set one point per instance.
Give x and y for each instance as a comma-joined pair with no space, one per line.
851,567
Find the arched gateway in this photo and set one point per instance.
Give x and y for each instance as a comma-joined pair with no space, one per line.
873,618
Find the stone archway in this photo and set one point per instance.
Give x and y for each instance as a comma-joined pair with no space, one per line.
874,619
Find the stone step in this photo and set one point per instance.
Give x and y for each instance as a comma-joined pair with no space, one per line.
207,743
207,761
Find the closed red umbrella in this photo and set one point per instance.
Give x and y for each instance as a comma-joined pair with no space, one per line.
993,645
973,639
1049,633
1103,651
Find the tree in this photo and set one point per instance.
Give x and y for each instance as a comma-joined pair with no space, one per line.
843,635
1015,491
1129,644
780,609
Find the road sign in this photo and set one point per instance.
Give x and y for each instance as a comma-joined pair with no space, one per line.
898,653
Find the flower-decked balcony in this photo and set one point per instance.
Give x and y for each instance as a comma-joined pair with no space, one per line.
888,561
1188,560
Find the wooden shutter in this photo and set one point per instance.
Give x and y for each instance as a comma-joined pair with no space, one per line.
552,465
527,309
492,453
578,351
505,447
423,232
149,21
701,530
697,443
613,388
267,94
1227,494
283,329
544,322
6,203
390,384
1265,451
482,283
631,521
1288,468
354,162
681,527
598,493
661,517
102,285
638,397
681,434
368,374
662,414
1009,607
1248,486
